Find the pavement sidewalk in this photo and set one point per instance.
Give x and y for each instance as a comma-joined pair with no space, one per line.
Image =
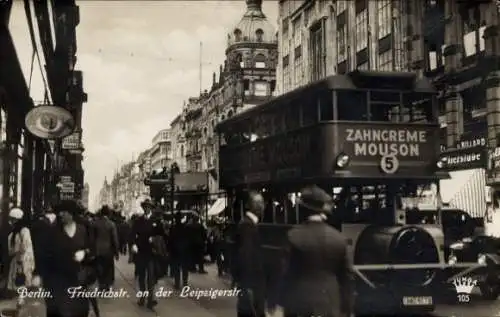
126,306
168,306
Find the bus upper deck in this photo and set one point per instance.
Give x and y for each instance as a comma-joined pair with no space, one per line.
340,127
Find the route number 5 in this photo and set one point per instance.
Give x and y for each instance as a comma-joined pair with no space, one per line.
389,164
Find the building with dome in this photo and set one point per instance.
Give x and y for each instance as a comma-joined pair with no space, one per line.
246,78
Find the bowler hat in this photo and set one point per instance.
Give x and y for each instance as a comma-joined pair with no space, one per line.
147,203
315,199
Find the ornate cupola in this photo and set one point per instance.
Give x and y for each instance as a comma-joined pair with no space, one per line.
251,58
253,26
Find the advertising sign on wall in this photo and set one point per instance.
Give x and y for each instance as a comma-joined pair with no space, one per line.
493,167
71,142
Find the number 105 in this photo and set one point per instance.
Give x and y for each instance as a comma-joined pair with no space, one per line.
463,298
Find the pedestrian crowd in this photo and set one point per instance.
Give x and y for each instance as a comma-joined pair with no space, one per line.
67,247
316,277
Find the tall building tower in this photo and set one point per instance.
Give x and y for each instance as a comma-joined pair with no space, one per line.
247,78
251,58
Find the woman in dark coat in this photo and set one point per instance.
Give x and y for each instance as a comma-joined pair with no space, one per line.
67,263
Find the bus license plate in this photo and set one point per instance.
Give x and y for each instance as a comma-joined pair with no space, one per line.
417,300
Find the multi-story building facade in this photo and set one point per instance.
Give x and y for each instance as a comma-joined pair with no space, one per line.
144,168
85,195
247,78
192,113
456,43
161,150
321,38
105,194
178,139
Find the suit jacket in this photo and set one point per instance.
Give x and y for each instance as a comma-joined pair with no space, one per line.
248,267
143,231
106,237
179,242
41,233
319,276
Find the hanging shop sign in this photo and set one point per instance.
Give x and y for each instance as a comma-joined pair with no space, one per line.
466,158
65,179
469,143
67,188
71,142
66,196
50,122
66,184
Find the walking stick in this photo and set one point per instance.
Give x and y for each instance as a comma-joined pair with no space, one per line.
95,306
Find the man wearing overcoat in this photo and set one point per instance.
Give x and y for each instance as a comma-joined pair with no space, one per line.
248,271
319,275
145,231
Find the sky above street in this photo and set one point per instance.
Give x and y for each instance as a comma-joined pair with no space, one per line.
140,61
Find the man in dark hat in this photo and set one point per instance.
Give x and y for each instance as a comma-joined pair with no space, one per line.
145,230
107,247
248,271
179,244
198,239
319,277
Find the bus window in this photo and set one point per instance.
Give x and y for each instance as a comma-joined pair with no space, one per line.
268,216
309,111
245,131
292,117
278,123
419,108
352,105
325,104
384,112
261,126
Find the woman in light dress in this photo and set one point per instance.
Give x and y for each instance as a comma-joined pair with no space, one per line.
22,260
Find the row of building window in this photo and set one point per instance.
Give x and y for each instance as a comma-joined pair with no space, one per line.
473,44
311,108
259,35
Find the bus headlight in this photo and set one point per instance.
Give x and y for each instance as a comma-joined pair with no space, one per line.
452,260
342,160
442,162
481,259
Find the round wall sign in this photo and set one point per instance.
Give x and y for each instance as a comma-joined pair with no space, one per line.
50,122
389,164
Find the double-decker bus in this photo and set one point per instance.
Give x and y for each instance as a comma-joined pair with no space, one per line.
371,140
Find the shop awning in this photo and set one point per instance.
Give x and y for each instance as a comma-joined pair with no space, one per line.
450,187
219,206
466,190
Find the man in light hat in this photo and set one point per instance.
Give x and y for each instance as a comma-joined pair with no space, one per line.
248,271
144,232
319,278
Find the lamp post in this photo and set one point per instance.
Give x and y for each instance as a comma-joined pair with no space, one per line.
174,170
162,185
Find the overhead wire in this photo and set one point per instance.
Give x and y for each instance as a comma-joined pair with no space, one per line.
32,66
27,10
150,57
